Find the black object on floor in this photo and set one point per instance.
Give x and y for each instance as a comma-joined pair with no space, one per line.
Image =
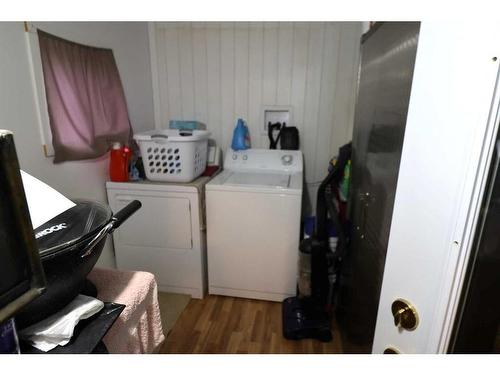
304,320
88,334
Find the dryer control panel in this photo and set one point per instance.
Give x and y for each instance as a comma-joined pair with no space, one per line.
289,161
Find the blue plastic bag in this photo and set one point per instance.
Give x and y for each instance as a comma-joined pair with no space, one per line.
241,136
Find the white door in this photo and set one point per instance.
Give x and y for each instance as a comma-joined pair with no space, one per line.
450,131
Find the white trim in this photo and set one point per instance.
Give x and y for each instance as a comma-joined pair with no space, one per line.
154,74
251,294
36,72
468,217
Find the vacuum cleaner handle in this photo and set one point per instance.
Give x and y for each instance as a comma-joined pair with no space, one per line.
334,176
127,211
334,216
321,209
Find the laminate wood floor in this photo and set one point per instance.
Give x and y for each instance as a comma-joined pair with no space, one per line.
219,324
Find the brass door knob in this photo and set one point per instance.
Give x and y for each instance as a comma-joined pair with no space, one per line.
405,315
391,350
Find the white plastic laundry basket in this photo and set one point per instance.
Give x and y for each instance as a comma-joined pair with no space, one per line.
173,155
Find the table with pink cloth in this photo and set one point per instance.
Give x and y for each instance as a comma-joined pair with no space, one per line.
138,329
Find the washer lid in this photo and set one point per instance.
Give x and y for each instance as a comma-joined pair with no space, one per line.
252,179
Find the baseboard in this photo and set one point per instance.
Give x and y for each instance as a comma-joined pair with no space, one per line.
277,297
193,292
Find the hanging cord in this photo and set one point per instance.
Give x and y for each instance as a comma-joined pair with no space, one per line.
273,143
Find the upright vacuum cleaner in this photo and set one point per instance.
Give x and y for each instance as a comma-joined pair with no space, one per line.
309,314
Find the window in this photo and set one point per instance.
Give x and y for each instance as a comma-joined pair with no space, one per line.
84,98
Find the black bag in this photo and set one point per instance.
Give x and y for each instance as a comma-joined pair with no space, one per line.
289,138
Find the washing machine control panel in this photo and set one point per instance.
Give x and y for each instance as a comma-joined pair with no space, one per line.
262,159
236,156
287,159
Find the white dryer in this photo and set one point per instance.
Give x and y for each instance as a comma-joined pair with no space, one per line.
253,224
167,237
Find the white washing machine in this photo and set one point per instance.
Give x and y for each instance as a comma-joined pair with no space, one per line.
253,224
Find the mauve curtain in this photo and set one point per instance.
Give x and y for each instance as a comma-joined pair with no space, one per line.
85,98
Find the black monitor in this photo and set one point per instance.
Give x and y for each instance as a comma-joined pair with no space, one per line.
21,273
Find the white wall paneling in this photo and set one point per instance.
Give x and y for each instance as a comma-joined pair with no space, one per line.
228,87
216,72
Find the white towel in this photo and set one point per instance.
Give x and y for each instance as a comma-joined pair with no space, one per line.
58,328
